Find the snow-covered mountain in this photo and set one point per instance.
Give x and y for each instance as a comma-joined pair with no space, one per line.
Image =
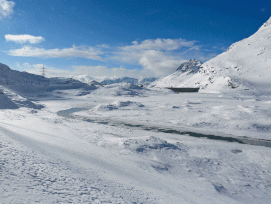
246,65
186,69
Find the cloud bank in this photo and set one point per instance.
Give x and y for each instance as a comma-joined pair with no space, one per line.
6,8
158,44
152,57
74,51
24,39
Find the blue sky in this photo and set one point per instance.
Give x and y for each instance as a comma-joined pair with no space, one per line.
140,38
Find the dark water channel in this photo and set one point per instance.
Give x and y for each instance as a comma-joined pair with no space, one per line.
105,121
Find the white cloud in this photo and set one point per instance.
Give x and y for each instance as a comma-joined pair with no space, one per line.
159,63
101,72
24,39
160,56
75,51
159,44
6,8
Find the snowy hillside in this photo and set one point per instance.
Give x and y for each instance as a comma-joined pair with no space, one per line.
246,65
25,82
13,77
186,70
18,89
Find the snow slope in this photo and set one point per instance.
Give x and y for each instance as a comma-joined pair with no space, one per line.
246,65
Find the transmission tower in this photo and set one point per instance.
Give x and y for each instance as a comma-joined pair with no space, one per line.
43,71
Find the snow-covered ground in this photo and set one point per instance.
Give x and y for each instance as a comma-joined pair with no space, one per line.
102,154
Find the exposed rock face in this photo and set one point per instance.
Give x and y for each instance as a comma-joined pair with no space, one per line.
192,65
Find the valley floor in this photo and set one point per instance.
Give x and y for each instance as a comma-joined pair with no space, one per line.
101,153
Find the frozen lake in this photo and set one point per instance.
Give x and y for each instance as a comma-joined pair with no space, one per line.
107,121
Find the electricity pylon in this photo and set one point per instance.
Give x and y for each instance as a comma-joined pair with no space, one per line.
43,71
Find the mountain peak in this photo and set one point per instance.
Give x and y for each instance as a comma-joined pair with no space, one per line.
191,65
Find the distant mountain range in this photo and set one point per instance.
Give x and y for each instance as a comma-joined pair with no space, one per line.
107,81
144,81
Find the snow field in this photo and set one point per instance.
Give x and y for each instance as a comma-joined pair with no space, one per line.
48,158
